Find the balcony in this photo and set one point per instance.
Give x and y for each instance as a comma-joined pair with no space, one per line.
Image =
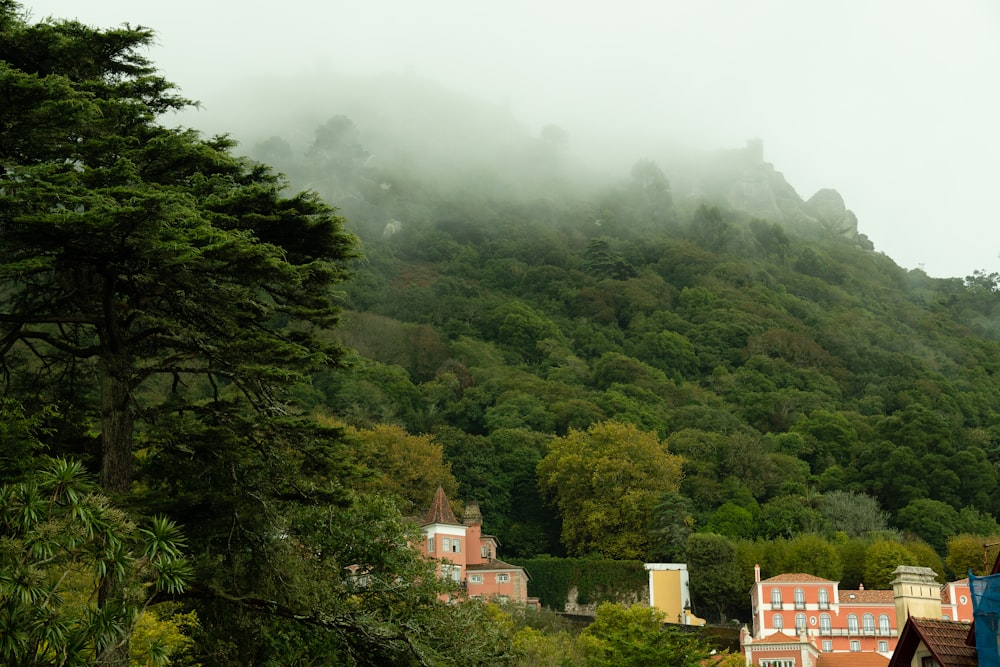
777,606
860,632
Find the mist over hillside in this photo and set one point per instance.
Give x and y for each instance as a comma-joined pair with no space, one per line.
404,129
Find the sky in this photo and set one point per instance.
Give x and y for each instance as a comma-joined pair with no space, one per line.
894,103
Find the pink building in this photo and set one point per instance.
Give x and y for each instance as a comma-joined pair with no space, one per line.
809,616
469,557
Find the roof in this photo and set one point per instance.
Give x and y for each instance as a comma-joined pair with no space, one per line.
866,597
944,639
440,511
869,659
778,638
798,577
494,564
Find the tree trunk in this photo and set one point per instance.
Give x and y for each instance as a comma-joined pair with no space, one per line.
117,422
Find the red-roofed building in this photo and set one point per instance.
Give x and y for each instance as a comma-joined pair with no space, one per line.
467,556
804,609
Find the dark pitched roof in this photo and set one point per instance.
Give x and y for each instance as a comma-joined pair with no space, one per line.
440,511
497,565
944,639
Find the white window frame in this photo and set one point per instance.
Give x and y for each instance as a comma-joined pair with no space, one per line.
868,624
800,598
800,623
883,646
827,646
430,543
503,578
777,622
475,578
855,646
825,624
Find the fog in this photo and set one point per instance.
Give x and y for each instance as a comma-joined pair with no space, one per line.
892,103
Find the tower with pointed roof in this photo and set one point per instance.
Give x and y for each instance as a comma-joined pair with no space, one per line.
467,556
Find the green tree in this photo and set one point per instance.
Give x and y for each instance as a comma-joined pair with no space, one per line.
60,537
882,557
714,587
605,482
853,513
811,554
635,636
974,553
932,520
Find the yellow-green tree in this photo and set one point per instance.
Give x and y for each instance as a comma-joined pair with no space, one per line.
408,466
971,552
605,482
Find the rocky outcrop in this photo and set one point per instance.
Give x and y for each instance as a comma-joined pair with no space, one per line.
827,208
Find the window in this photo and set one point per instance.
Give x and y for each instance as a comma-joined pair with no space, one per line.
475,578
827,646
775,598
456,545
855,646
824,599
800,623
503,578
852,624
883,624
776,663
777,622
800,599
868,623
453,572
883,647
446,544
824,624
430,544
485,551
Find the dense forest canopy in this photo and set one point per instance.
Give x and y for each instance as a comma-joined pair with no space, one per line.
685,361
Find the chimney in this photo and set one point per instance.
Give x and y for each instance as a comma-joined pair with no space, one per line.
917,593
861,586
756,573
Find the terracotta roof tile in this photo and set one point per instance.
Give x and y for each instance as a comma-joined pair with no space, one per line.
799,577
852,660
440,511
865,597
946,639
494,564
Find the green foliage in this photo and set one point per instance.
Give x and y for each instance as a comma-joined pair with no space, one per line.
604,483
882,558
595,579
636,636
714,590
60,539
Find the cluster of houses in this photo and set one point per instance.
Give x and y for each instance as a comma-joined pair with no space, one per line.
804,621
799,620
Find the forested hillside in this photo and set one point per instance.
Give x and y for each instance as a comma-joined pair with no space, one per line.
784,360
228,387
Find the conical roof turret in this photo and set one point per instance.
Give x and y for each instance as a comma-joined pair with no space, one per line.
440,511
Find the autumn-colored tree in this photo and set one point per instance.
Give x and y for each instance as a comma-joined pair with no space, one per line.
605,482
974,553
408,466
